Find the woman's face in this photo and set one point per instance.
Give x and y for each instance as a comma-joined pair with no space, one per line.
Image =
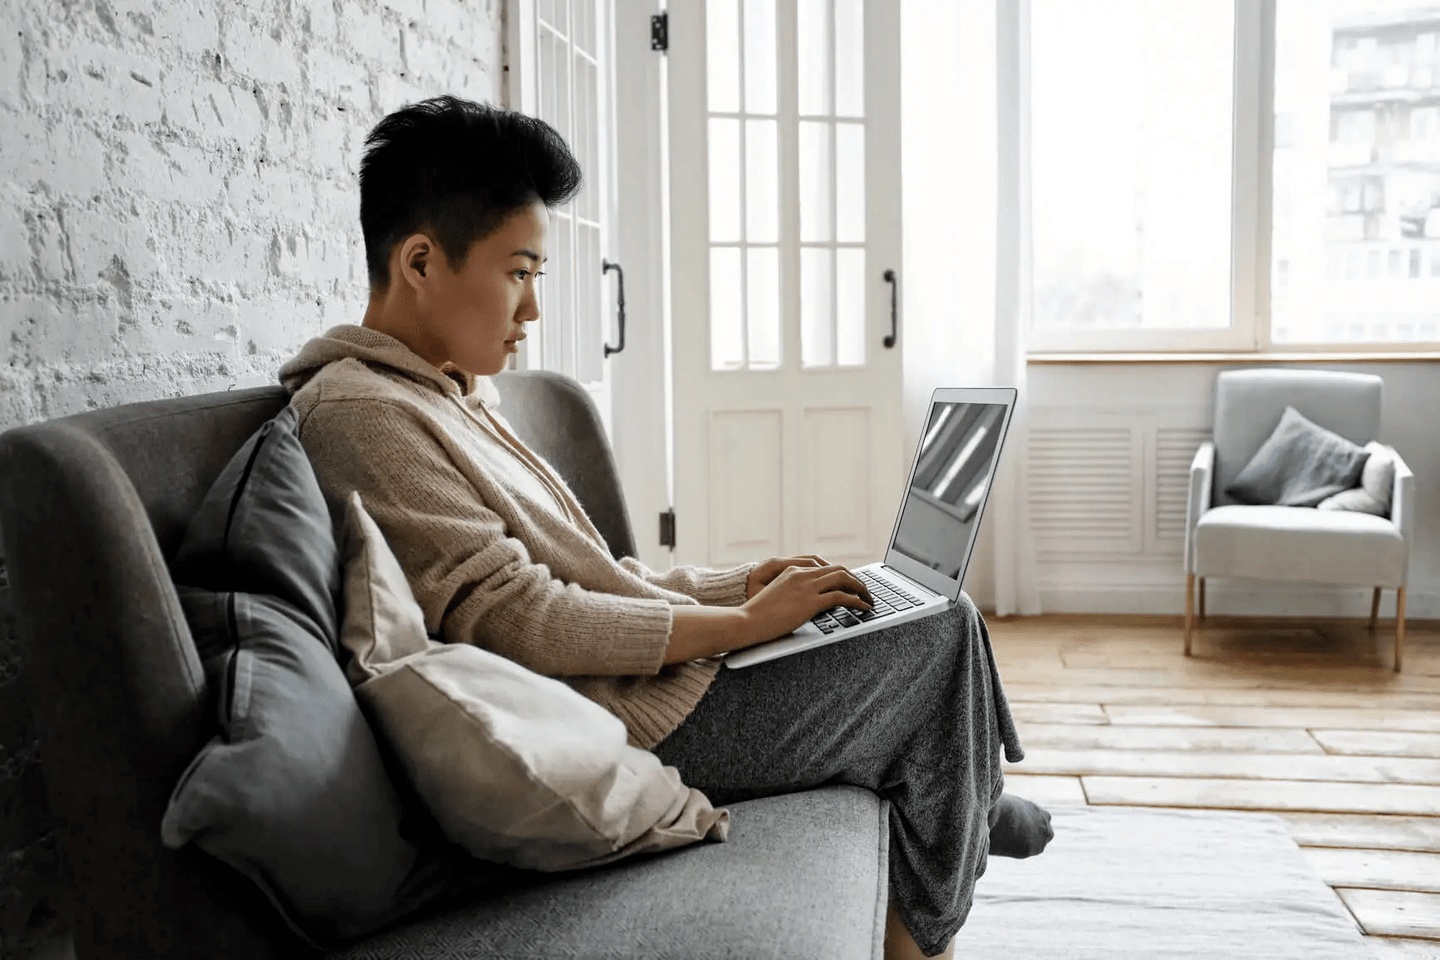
476,313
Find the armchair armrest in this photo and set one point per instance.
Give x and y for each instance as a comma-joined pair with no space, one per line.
1202,483
1402,500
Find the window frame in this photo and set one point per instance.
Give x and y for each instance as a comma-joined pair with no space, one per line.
1249,331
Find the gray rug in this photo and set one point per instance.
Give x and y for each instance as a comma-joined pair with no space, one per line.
1122,882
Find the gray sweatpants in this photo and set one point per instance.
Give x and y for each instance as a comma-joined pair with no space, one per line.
914,712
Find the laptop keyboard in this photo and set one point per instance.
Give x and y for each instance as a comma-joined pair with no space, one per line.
888,599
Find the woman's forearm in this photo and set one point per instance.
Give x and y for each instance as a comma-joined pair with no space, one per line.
700,631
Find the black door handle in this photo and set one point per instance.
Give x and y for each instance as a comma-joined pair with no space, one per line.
894,314
605,267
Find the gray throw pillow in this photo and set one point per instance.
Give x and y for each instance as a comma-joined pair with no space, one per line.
1299,465
293,790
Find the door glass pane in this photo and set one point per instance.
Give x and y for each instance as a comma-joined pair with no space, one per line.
724,180
1131,154
722,55
850,182
850,307
814,181
762,284
813,62
762,189
817,306
1356,173
760,56
727,351
850,58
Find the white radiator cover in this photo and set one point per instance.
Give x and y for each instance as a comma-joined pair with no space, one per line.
1110,484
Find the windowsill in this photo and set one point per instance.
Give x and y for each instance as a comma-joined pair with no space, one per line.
1334,356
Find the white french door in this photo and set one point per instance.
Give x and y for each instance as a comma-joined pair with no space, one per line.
784,119
560,71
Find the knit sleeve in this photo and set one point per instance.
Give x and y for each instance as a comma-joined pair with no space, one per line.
474,582
713,588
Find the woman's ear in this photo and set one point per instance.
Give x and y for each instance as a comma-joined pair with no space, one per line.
417,255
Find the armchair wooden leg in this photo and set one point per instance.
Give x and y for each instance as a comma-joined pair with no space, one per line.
1201,617
1189,608
1399,626
1374,609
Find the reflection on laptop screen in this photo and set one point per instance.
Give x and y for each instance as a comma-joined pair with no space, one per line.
941,510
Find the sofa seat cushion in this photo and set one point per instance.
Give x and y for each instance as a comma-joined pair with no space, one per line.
1301,544
803,876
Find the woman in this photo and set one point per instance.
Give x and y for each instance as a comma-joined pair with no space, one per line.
454,201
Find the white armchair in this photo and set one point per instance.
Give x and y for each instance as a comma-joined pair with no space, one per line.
1226,539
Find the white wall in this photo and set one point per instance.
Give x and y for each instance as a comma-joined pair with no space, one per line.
1156,584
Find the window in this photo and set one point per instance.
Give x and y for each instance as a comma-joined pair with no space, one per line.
1151,127
777,116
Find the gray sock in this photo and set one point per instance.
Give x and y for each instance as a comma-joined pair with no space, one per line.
1018,828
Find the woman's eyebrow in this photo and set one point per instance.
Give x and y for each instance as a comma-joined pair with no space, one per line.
529,255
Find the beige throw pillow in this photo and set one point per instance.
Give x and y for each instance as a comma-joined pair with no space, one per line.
515,767
1377,481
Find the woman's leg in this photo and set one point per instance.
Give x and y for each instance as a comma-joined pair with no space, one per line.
913,712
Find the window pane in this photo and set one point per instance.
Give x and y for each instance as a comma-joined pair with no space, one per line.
817,306
813,63
727,352
760,56
1357,174
1131,162
593,312
850,182
724,180
850,58
762,188
722,55
850,307
762,287
815,181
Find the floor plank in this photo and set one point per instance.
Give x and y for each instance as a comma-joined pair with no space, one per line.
1058,713
1091,737
1263,795
1364,831
1303,696
1376,869
1395,913
1400,948
1046,791
1349,718
1245,766
1381,743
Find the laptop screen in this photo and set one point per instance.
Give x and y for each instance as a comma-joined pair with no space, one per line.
941,512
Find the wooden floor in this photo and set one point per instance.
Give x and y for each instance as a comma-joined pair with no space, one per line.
1303,719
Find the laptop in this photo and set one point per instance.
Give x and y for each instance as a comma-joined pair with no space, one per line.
934,531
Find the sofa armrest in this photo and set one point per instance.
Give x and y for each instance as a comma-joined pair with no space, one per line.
1202,482
1402,501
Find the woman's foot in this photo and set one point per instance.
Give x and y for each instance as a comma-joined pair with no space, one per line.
1018,828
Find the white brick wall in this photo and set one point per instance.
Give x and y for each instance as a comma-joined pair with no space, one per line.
178,204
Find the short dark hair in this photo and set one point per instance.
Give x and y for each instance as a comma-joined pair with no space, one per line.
456,170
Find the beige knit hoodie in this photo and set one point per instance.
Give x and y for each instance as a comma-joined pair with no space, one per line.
496,548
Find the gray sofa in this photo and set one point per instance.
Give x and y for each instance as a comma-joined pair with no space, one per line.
92,508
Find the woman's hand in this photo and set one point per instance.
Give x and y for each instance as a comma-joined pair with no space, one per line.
798,592
764,573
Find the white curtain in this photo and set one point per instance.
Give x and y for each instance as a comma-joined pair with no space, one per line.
966,283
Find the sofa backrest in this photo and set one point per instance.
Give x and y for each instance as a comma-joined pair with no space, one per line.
91,507
1249,404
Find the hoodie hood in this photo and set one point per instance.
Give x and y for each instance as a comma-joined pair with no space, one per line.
371,347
